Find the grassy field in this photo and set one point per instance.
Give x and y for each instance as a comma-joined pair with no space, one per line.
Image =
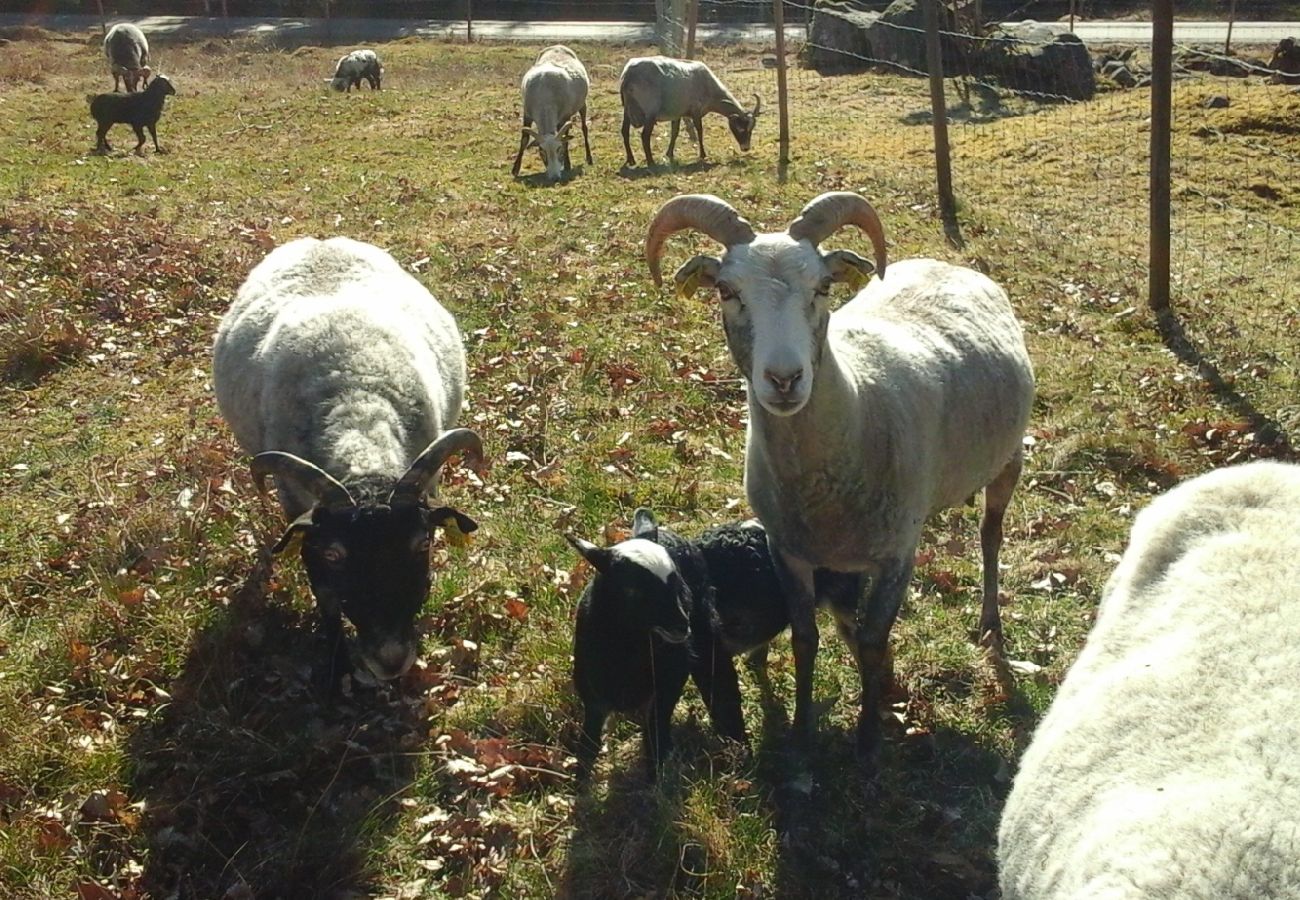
158,733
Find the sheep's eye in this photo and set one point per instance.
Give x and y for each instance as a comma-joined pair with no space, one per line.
421,546
334,554
727,292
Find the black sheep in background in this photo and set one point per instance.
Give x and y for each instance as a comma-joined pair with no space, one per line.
140,111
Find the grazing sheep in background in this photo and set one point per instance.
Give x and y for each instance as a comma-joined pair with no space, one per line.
341,374
355,66
660,608
655,88
127,52
140,111
862,422
555,90
1166,766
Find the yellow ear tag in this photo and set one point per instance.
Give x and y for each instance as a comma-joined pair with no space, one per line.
687,286
293,545
855,278
451,531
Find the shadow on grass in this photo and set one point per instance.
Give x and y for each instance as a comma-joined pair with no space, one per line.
253,785
927,830
1271,438
632,173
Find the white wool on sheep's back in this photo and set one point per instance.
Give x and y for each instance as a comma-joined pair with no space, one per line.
648,555
1167,766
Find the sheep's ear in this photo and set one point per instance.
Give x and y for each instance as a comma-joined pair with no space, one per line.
293,535
599,557
644,525
456,526
698,272
849,268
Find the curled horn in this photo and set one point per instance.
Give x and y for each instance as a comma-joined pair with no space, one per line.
758,107
416,480
327,489
830,212
703,212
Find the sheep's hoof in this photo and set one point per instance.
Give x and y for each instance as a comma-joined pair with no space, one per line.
162,150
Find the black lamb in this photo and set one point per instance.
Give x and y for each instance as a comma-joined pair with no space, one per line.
661,608
140,111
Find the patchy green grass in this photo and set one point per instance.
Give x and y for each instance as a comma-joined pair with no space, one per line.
157,732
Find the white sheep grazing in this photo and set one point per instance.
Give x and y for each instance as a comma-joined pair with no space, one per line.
355,66
555,90
1167,765
908,399
127,52
655,88
341,374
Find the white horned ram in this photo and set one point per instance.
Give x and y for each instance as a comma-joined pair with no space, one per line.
1166,767
353,67
343,377
554,91
655,88
910,398
127,52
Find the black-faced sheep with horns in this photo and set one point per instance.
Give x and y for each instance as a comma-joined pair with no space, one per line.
1166,767
662,608
343,377
910,398
655,88
127,52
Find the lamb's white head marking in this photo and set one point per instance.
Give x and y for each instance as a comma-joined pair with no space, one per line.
648,555
774,287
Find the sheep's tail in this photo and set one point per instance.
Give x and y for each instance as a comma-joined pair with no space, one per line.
635,114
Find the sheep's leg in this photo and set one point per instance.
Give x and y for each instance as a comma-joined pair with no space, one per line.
659,719
997,496
139,133
586,141
153,132
672,139
796,578
715,676
645,143
874,622
756,659
523,145
117,79
698,121
627,140
101,137
593,725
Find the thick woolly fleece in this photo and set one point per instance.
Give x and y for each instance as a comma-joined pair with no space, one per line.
1168,767
331,351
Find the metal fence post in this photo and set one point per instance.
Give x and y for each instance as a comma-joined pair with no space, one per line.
1232,17
1162,59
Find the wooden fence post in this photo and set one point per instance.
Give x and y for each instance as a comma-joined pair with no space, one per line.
692,18
1232,17
782,102
103,23
469,21
1162,62
939,109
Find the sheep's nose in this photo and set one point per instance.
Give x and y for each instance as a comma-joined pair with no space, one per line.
783,383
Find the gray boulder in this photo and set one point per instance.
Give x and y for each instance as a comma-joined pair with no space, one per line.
846,37
1060,69
837,37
